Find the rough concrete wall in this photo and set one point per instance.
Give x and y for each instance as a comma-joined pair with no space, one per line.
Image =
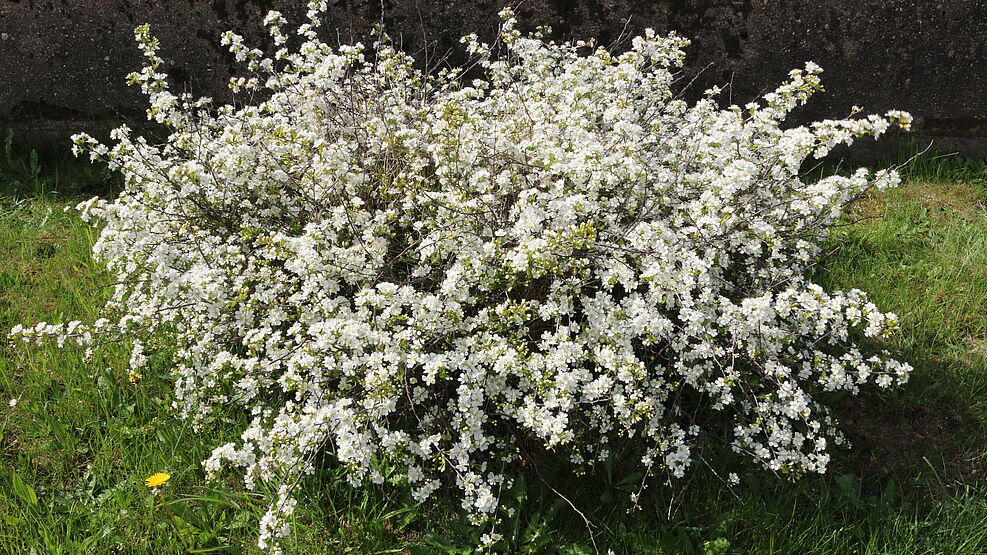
63,62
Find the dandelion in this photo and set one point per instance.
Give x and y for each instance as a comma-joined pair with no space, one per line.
154,482
134,378
157,480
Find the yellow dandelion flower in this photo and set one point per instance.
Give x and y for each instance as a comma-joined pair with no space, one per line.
157,480
134,378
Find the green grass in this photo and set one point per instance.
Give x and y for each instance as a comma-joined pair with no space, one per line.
75,450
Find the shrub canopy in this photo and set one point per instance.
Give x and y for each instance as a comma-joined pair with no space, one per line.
438,273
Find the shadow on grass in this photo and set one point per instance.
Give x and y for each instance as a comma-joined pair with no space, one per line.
52,171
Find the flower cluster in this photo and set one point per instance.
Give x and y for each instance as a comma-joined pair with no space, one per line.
442,270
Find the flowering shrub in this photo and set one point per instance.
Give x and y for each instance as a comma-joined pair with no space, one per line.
386,265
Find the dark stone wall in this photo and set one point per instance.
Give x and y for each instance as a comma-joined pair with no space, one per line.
63,62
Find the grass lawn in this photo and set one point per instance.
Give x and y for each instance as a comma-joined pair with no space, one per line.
81,439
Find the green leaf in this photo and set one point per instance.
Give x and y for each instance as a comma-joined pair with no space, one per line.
719,546
848,488
23,491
